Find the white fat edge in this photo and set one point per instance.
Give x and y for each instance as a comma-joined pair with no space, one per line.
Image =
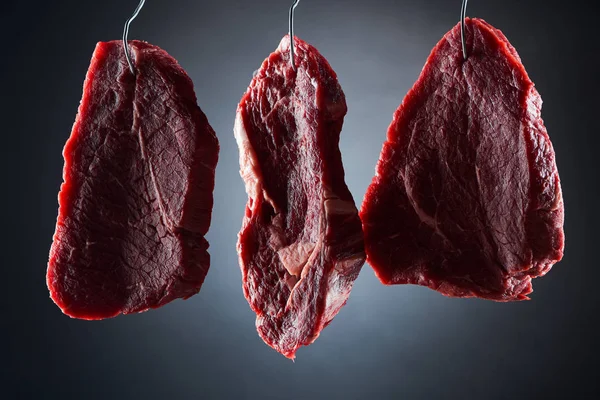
249,168
332,204
315,84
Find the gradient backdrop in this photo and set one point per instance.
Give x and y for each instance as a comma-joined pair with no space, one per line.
399,342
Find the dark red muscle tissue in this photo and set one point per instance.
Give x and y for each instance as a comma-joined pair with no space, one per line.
301,243
137,198
466,199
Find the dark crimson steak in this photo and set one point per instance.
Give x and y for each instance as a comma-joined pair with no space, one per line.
136,200
301,244
466,199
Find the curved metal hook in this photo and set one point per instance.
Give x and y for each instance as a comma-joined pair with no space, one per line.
291,32
463,16
126,34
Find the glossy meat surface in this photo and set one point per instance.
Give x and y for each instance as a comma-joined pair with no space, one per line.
301,243
136,200
466,199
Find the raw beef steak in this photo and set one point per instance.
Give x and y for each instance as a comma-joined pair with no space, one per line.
301,244
466,199
137,194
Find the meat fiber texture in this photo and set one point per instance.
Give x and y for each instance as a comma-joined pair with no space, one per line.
466,199
137,197
301,244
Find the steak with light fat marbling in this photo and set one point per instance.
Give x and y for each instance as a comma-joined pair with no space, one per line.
301,243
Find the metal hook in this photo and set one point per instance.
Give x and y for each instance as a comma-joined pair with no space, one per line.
126,34
463,16
291,32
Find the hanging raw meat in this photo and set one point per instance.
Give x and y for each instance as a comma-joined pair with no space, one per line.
466,199
137,194
301,243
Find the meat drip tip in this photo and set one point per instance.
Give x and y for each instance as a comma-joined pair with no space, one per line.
291,32
463,16
126,34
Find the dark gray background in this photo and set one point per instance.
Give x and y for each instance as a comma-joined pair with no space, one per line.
388,342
